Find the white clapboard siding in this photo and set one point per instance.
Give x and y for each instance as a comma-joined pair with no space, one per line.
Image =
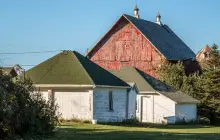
157,108
163,108
154,108
101,110
187,112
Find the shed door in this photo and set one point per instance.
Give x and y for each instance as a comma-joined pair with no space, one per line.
146,109
73,104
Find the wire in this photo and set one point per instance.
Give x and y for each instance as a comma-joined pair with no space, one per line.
31,52
18,64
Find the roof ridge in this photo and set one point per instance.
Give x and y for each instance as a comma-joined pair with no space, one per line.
142,19
146,37
206,46
131,18
168,87
46,60
145,80
74,54
162,44
115,23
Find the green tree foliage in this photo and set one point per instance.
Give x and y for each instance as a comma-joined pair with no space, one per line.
213,61
172,74
210,101
23,113
204,87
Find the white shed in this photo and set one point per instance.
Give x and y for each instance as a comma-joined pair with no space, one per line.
156,101
82,89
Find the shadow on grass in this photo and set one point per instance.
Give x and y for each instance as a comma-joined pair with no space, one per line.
99,134
159,126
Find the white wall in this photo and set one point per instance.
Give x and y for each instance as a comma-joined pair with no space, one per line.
158,108
186,111
164,107
101,105
74,104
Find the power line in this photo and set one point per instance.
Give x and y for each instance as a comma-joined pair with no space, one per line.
18,64
30,52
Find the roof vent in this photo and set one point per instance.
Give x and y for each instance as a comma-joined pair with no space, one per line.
158,17
136,12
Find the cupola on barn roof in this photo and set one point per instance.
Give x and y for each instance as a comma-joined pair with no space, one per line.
158,17
162,37
136,14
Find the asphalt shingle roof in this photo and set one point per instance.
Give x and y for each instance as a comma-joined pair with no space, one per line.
148,84
70,67
163,38
165,41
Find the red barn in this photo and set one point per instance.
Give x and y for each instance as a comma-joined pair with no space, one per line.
133,41
203,54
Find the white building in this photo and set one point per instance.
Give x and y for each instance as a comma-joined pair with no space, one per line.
158,102
82,89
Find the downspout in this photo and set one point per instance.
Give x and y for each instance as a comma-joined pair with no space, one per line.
127,103
153,109
141,108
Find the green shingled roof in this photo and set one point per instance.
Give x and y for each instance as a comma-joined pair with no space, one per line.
148,84
70,67
131,75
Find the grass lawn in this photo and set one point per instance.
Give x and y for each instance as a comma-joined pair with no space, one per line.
78,131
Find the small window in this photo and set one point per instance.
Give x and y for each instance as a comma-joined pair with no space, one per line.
110,101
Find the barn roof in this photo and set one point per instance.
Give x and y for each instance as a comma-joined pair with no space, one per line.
7,70
71,68
162,37
12,71
148,84
203,50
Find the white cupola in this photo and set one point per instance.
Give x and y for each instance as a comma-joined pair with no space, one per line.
158,17
136,12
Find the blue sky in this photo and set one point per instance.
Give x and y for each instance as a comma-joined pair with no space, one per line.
42,25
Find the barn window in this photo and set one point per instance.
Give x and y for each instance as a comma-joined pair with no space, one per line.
110,101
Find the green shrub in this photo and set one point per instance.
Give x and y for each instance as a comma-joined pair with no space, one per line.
74,120
204,121
24,113
87,121
122,122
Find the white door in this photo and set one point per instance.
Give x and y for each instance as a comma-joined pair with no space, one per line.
73,104
147,114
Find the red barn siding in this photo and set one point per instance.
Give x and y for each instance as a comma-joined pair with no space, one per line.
123,46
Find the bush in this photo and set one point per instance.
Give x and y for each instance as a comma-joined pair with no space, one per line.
24,113
74,120
122,122
204,121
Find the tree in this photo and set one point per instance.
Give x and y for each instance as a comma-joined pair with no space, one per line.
202,86
214,58
22,112
172,74
210,102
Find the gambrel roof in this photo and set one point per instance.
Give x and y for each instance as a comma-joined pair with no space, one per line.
165,41
72,68
147,84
